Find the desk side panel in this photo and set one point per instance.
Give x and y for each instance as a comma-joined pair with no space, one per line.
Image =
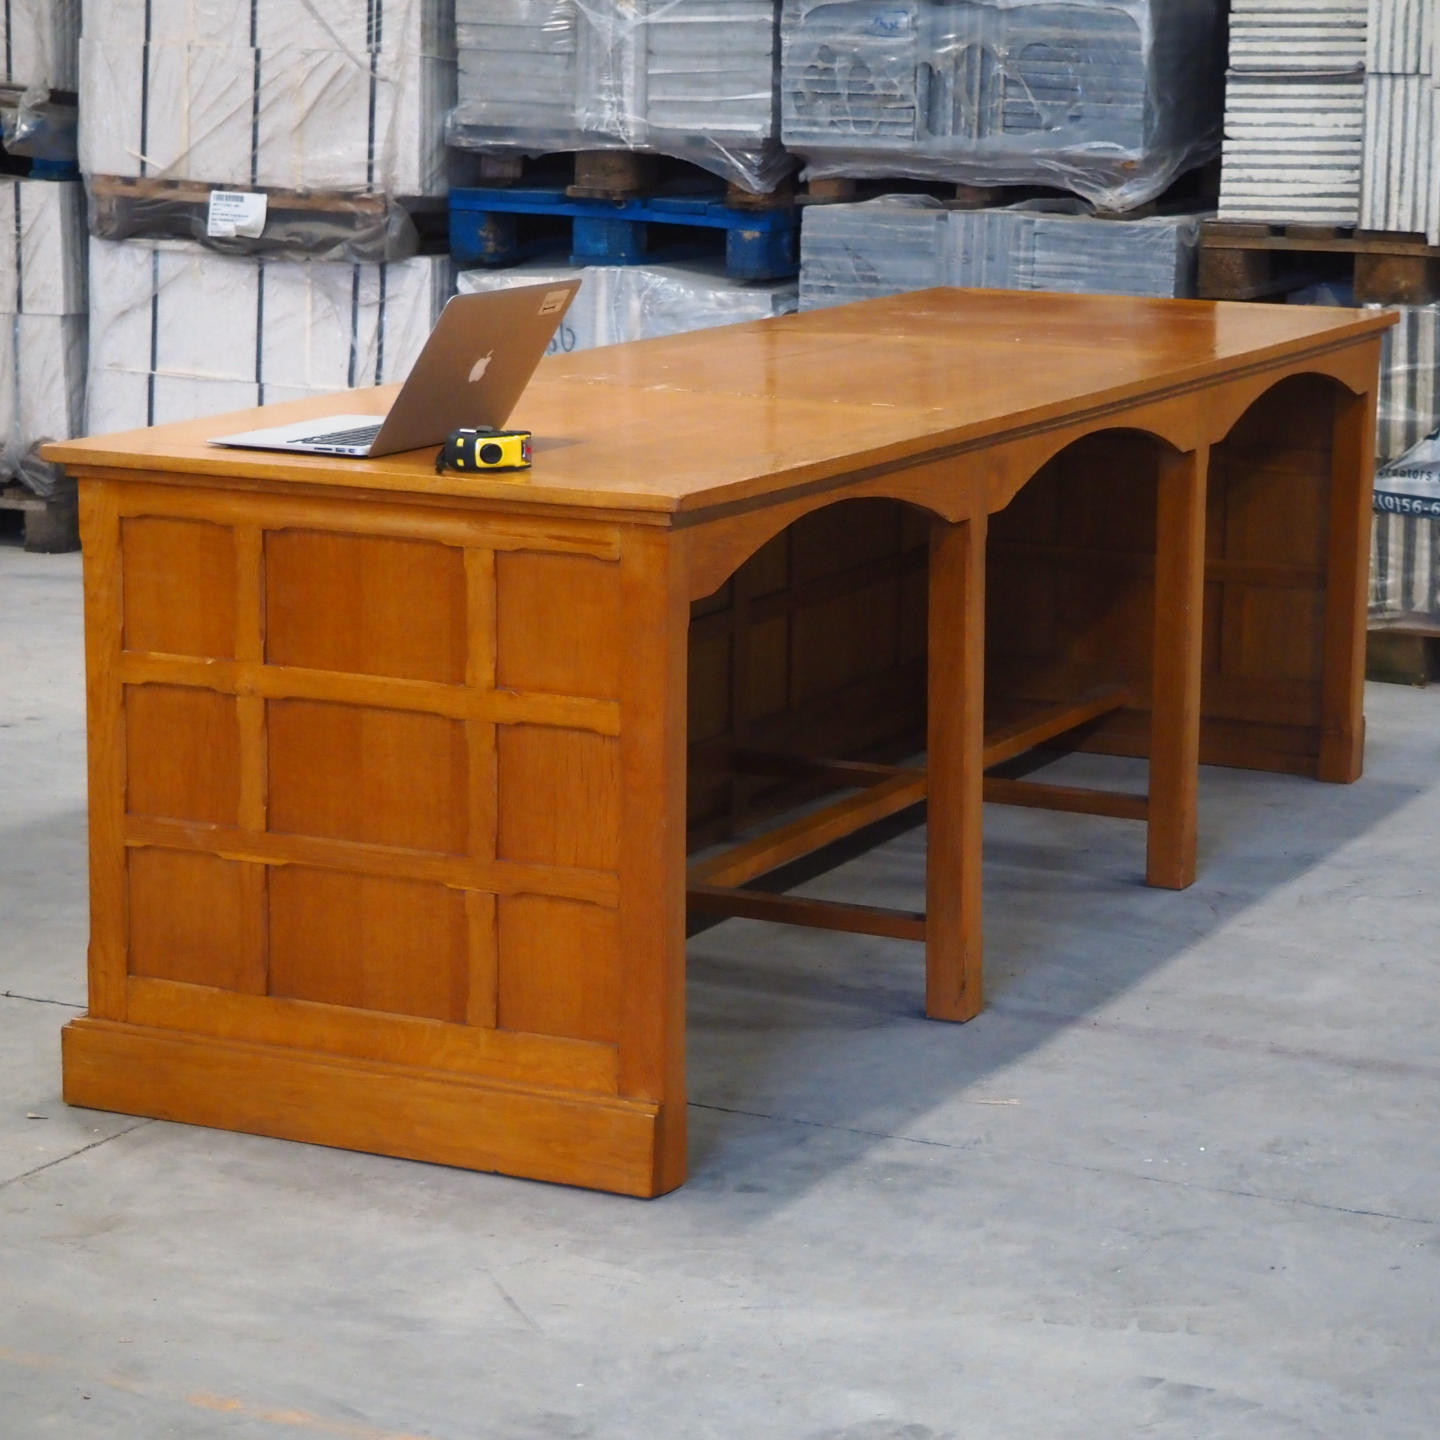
357,797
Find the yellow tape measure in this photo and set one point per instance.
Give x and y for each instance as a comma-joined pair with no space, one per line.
475,450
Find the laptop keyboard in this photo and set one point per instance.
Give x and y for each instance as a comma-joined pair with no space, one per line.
361,435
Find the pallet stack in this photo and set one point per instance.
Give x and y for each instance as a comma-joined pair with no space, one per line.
1294,111
332,125
1332,115
1110,99
1401,189
269,94
889,245
694,79
38,45
42,272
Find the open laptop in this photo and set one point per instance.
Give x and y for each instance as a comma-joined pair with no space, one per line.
478,359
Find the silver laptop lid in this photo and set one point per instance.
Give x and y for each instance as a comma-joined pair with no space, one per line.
473,368
475,365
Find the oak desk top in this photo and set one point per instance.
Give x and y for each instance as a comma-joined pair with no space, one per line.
759,410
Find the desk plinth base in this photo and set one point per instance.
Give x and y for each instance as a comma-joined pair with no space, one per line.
600,1142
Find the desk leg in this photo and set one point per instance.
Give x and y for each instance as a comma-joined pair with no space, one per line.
655,617
956,769
1342,686
1175,683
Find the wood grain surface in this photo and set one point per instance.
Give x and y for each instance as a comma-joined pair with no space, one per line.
751,411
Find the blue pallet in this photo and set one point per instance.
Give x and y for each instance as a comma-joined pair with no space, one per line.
485,230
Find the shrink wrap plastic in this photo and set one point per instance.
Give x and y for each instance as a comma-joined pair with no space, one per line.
1405,550
1108,98
299,95
42,325
1409,405
617,303
898,243
37,44
178,332
38,41
1405,545
695,79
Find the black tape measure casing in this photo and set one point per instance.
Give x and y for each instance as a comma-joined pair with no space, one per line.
472,450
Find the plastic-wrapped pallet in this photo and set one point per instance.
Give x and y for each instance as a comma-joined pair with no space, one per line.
177,332
882,247
690,78
886,246
1294,112
617,303
1401,185
349,96
1405,548
1409,401
1108,98
42,312
37,44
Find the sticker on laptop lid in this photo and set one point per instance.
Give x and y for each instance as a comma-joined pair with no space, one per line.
554,300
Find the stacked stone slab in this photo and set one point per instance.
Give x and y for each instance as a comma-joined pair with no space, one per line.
1294,111
335,100
42,255
1109,98
886,246
177,331
618,303
1401,189
42,324
347,96
38,44
691,78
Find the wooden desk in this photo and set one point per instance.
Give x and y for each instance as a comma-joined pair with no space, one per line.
388,770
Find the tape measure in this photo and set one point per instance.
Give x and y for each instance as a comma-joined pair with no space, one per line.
473,450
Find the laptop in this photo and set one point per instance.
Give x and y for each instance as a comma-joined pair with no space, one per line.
478,359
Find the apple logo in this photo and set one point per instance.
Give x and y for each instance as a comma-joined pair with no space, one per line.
479,367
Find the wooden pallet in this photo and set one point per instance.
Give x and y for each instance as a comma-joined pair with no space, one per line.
1405,654
316,225
1240,260
52,526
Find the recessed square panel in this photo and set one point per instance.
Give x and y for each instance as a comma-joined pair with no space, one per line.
372,943
709,687
349,772
1272,634
558,620
188,922
365,604
179,586
767,682
559,963
1275,517
844,639
559,797
182,754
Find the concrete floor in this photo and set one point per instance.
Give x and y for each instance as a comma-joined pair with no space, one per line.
1178,1180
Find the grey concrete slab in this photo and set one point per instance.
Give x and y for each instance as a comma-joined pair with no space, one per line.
37,1128
42,776
1178,1180
811,1282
